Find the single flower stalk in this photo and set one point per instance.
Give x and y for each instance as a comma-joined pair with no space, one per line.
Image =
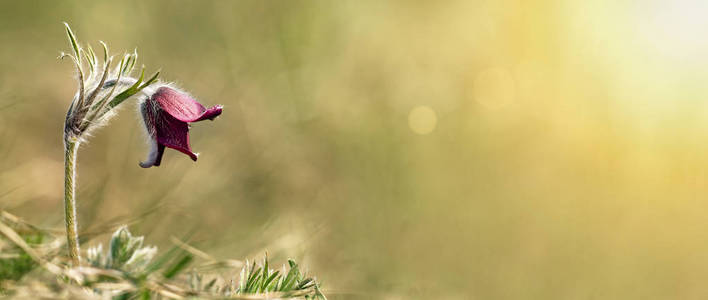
101,88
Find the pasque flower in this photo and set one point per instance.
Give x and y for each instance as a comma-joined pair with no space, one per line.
102,87
166,115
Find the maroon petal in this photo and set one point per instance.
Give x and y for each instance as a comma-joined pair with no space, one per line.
160,151
165,131
174,134
182,107
149,119
154,157
210,113
167,114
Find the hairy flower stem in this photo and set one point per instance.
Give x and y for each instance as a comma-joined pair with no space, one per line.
89,110
71,146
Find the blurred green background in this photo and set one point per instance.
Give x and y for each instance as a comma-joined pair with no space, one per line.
404,149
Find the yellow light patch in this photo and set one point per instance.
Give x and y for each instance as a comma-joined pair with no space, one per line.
422,119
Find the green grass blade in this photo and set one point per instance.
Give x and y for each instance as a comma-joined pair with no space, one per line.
162,260
303,284
289,280
209,285
178,266
267,282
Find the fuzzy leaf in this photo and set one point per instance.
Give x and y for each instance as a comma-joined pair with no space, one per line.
105,50
122,247
72,39
118,99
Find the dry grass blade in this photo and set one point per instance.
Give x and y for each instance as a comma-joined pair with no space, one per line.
19,242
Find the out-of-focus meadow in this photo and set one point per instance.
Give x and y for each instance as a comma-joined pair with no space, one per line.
451,149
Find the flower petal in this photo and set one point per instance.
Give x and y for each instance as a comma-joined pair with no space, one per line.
182,107
210,113
167,114
153,156
148,112
174,134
